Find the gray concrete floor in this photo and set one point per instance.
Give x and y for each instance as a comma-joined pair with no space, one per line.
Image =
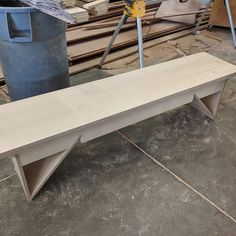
172,175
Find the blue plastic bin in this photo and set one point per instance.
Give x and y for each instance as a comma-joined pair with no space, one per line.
33,52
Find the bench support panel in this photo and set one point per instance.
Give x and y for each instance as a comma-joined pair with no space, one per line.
208,105
34,175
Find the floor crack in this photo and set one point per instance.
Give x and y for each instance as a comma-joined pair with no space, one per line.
178,178
6,178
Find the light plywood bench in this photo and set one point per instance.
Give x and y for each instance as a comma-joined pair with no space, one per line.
39,132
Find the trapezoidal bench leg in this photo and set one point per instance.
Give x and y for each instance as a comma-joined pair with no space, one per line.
208,105
34,175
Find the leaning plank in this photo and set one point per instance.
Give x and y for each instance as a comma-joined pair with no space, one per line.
39,132
173,7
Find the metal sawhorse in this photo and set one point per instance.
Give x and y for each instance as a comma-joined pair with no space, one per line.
231,22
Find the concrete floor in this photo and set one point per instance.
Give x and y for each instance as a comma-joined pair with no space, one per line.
172,175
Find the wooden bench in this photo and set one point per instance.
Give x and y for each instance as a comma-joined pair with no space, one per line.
39,132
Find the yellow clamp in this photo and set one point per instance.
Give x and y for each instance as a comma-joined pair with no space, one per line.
136,10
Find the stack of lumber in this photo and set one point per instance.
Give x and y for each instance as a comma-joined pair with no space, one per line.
87,41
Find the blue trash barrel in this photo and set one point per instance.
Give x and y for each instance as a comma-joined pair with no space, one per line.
33,52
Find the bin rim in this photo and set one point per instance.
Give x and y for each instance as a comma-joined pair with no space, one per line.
18,9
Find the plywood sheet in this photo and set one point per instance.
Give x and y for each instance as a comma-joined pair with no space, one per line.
28,122
173,7
219,15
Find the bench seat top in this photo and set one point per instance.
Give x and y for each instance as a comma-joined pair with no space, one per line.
47,116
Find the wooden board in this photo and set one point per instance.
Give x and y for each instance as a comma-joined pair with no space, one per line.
172,7
42,118
219,15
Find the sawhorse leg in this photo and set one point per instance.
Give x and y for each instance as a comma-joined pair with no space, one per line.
231,22
115,34
202,17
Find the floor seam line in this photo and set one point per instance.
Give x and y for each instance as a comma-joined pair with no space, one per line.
225,131
178,178
6,178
